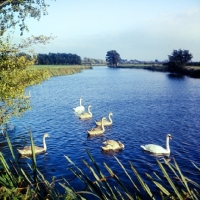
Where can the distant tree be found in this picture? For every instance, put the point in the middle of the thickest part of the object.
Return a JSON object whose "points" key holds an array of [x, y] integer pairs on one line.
{"points": [[178, 60], [113, 58], [58, 59]]}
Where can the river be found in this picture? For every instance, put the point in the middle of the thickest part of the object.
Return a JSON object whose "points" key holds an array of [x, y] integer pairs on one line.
{"points": [[146, 106]]}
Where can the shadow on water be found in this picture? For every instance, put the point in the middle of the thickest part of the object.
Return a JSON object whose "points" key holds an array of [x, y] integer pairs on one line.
{"points": [[175, 76]]}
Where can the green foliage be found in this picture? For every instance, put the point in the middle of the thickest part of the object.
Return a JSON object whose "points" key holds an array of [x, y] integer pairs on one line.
{"points": [[94, 61], [14, 77], [172, 185], [14, 12], [113, 58], [178, 60], [58, 59]]}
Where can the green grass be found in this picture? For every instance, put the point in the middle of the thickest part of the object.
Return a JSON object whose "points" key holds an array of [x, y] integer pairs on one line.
{"points": [[57, 66], [59, 70]]}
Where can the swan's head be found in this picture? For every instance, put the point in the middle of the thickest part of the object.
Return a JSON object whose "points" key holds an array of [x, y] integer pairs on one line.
{"points": [[169, 136], [46, 135], [111, 113], [103, 118], [121, 145], [89, 106]]}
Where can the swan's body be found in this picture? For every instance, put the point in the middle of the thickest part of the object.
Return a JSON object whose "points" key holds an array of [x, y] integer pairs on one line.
{"points": [[27, 149], [112, 145], [98, 129], [86, 115], [156, 149], [106, 122], [79, 109], [28, 96]]}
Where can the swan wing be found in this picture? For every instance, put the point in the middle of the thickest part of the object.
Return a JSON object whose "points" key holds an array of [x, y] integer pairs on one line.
{"points": [[79, 109], [153, 148]]}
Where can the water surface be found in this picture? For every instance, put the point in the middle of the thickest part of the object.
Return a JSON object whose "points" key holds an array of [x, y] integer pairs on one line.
{"points": [[146, 107]]}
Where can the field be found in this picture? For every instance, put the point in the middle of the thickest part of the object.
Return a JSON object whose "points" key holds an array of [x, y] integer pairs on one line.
{"points": [[58, 70]]}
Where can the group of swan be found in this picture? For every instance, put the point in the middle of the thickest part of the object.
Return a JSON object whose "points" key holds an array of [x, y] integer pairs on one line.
{"points": [[99, 128], [28, 151]]}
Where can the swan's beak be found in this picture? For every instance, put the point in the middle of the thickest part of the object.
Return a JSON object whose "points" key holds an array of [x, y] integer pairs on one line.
{"points": [[170, 137]]}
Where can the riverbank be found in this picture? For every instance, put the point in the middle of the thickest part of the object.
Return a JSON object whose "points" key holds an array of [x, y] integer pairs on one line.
{"points": [[59, 70], [191, 71]]}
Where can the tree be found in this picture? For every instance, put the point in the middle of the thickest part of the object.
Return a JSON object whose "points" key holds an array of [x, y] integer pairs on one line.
{"points": [[13, 12], [178, 60], [15, 76], [113, 58]]}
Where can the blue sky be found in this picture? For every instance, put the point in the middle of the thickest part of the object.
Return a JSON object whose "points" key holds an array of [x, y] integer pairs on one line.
{"points": [[142, 30]]}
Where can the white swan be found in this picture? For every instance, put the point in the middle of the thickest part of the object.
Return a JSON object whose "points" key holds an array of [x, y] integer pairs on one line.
{"points": [[87, 115], [98, 129], [112, 145], [27, 149], [106, 122], [79, 109], [28, 96], [156, 149]]}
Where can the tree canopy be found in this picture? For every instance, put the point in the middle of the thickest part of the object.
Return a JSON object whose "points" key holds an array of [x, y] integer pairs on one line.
{"points": [[15, 76], [13, 12], [113, 58], [178, 60], [58, 59]]}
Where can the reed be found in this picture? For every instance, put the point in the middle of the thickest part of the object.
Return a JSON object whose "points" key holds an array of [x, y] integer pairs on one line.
{"points": [[59, 70], [170, 183]]}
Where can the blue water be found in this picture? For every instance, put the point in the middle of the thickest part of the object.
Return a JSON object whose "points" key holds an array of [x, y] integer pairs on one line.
{"points": [[146, 107]]}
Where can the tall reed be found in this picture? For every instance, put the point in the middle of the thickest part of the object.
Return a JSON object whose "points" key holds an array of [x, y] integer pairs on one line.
{"points": [[170, 183]]}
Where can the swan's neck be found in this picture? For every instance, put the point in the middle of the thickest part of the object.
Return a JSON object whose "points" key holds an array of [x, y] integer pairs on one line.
{"points": [[109, 117], [80, 102], [44, 144], [102, 125], [167, 144], [89, 110]]}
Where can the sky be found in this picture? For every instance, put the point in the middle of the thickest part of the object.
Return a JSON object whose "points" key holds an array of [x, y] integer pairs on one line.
{"points": [[143, 30]]}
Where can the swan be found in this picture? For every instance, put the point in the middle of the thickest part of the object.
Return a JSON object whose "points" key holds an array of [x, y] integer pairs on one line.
{"points": [[86, 115], [28, 96], [156, 149], [112, 145], [106, 122], [79, 109], [98, 129], [27, 149]]}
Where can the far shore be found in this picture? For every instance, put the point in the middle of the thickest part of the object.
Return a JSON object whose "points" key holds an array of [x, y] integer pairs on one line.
{"points": [[59, 70], [191, 71]]}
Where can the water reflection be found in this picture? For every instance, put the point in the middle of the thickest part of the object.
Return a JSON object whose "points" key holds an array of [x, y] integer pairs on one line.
{"points": [[175, 76]]}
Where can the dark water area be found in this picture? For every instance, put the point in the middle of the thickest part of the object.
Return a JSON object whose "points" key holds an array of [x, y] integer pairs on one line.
{"points": [[146, 106]]}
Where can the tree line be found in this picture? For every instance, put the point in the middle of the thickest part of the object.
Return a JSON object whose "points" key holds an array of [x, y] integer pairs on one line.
{"points": [[176, 63], [58, 59]]}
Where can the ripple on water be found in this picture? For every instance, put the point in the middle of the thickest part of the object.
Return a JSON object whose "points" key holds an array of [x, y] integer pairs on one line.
{"points": [[146, 107]]}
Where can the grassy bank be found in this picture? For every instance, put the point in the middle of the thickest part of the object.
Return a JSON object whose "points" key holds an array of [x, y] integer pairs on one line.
{"points": [[154, 67], [58, 70], [192, 71]]}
